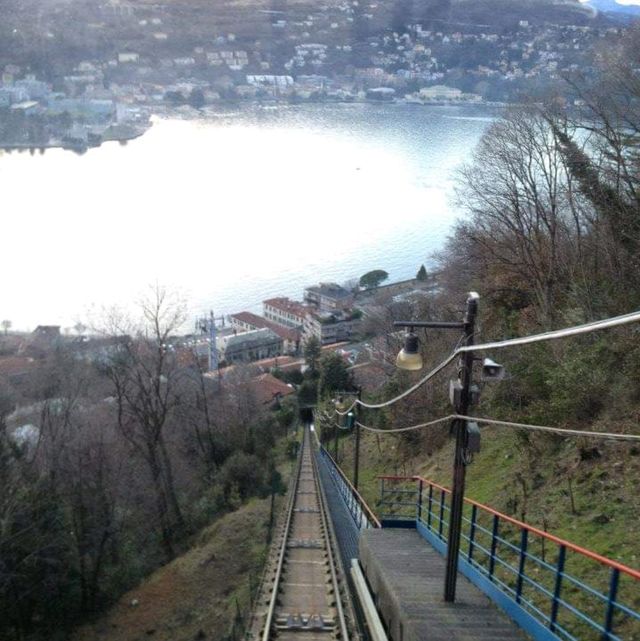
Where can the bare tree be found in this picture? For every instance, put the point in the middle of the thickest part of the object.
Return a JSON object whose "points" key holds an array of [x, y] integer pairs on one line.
{"points": [[80, 328], [515, 191], [602, 158], [145, 375]]}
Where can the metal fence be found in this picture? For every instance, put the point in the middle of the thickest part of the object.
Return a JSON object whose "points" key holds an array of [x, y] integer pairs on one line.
{"points": [[346, 532], [573, 593], [360, 512]]}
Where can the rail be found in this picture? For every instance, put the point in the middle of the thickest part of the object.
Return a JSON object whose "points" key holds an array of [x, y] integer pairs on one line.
{"points": [[304, 599], [361, 513], [328, 532], [283, 549], [574, 593]]}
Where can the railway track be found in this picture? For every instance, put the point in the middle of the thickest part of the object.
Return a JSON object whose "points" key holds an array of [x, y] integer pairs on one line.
{"points": [[301, 594]]}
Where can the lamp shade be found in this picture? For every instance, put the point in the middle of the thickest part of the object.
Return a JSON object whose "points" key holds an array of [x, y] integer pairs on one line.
{"points": [[340, 404], [409, 357]]}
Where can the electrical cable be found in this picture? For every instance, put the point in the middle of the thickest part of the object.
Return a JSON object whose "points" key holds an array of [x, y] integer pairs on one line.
{"points": [[616, 321], [524, 426], [413, 388], [437, 421], [555, 430], [348, 410]]}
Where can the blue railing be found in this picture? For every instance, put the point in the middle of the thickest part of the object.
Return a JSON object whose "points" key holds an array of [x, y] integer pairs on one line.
{"points": [[566, 591], [362, 515]]}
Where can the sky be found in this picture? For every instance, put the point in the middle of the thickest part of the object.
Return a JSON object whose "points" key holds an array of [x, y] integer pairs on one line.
{"points": [[624, 2]]}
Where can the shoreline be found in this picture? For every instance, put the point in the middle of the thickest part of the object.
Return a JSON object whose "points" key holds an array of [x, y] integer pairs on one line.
{"points": [[165, 110], [78, 148]]}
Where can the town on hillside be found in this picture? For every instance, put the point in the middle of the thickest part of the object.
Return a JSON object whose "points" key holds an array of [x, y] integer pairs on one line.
{"points": [[82, 87], [341, 320]]}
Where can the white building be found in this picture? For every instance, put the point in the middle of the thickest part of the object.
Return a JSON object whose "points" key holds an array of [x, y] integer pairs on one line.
{"points": [[127, 57], [285, 312]]}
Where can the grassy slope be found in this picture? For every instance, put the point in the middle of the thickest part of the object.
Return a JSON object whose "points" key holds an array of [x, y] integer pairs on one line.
{"points": [[195, 595], [198, 594], [605, 493], [605, 489]]}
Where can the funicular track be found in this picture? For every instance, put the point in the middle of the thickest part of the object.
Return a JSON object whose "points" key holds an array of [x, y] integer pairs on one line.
{"points": [[301, 587]]}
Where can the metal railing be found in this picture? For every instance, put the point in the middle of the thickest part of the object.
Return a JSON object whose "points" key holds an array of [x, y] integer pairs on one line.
{"points": [[574, 593], [360, 512]]}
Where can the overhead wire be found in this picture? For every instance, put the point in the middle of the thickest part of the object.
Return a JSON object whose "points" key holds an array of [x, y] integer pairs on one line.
{"points": [[437, 421], [617, 436], [413, 388], [525, 426], [585, 328], [345, 412]]}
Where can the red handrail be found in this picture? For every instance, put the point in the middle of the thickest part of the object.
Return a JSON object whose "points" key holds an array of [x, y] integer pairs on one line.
{"points": [[521, 524]]}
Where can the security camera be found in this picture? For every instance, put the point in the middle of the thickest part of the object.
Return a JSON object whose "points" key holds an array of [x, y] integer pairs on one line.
{"points": [[492, 371], [473, 437]]}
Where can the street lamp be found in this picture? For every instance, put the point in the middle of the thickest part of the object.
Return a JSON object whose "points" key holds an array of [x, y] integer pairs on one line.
{"points": [[408, 358]]}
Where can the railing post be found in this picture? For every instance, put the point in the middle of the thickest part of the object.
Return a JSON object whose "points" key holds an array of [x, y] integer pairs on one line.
{"points": [[524, 537], [430, 511], [420, 484], [611, 604], [555, 602], [441, 524], [472, 531], [494, 545]]}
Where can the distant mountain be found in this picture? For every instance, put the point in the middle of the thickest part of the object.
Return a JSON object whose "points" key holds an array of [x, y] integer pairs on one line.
{"points": [[612, 7]]}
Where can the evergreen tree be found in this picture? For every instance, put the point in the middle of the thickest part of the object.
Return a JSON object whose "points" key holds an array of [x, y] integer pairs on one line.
{"points": [[333, 374], [373, 278], [312, 352]]}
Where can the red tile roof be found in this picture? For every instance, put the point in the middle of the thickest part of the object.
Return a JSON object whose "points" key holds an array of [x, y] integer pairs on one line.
{"points": [[16, 365], [285, 333], [285, 304], [267, 387]]}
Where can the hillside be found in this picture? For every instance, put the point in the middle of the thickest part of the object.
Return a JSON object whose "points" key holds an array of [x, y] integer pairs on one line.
{"points": [[199, 594], [533, 484]]}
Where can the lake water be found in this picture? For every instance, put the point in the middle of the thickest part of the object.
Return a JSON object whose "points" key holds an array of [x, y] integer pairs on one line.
{"points": [[230, 209]]}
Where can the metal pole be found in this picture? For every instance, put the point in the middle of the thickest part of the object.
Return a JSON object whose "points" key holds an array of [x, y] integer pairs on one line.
{"points": [[335, 444], [459, 469], [356, 462]]}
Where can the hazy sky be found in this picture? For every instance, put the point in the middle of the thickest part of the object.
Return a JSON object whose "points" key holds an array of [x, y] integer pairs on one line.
{"points": [[627, 2]]}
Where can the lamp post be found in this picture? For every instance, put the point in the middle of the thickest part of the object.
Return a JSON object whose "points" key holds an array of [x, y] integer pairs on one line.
{"points": [[356, 454], [410, 358], [339, 403]]}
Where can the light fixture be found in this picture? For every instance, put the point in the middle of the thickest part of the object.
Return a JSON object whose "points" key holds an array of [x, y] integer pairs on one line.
{"points": [[409, 357], [492, 371], [340, 404]]}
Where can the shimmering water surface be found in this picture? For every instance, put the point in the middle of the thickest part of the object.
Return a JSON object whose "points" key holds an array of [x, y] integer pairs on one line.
{"points": [[232, 208]]}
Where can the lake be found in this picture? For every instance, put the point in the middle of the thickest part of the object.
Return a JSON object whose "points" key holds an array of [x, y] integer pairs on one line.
{"points": [[232, 208]]}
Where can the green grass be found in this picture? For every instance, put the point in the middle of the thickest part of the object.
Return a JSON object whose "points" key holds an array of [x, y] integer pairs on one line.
{"points": [[530, 482]]}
